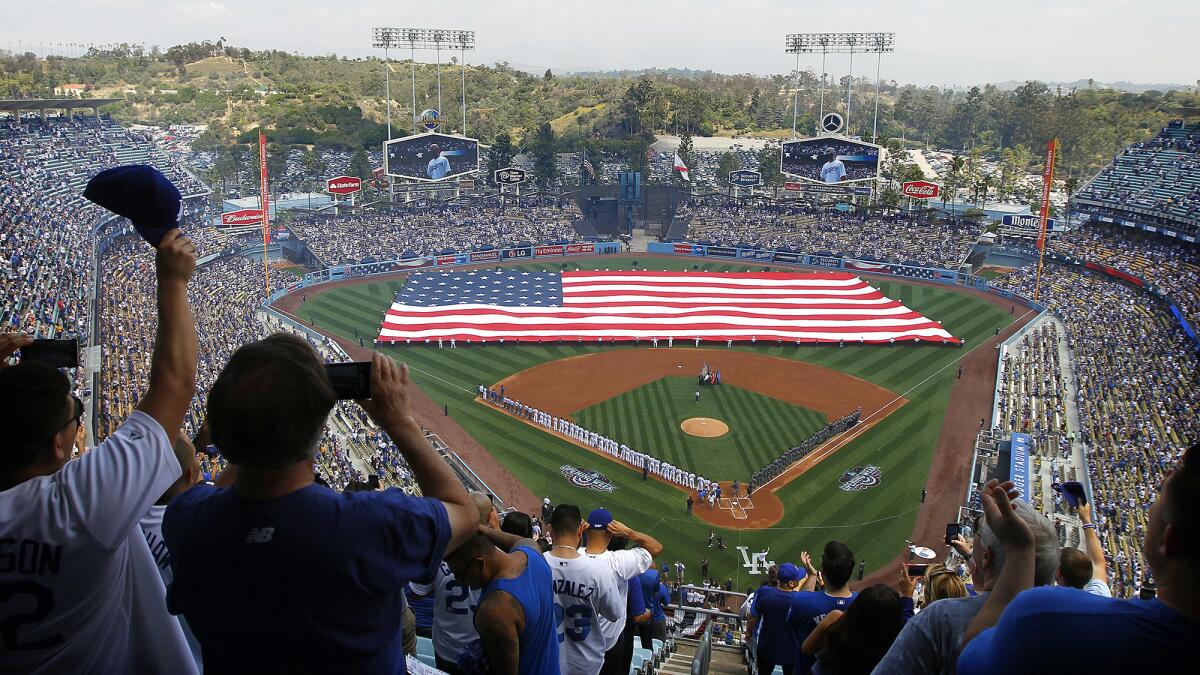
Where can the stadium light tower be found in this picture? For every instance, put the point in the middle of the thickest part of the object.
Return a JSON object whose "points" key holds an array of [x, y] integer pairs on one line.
{"points": [[840, 43], [435, 39]]}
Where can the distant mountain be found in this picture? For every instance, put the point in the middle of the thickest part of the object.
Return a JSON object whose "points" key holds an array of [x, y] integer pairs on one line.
{"points": [[1129, 87]]}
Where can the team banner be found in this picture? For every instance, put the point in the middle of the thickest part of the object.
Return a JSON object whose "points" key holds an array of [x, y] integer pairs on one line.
{"points": [[1018, 466], [491, 305], [262, 171], [1047, 186]]}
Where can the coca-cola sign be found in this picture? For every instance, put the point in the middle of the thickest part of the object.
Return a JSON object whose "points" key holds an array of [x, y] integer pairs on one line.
{"points": [[242, 217], [920, 189], [343, 185]]}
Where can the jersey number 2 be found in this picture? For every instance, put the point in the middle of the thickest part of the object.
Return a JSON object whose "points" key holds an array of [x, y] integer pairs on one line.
{"points": [[44, 600]]}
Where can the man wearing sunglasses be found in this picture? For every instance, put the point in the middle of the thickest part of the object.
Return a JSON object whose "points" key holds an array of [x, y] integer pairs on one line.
{"points": [[79, 589]]}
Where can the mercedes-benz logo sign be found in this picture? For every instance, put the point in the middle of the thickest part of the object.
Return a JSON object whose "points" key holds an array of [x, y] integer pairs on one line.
{"points": [[831, 123]]}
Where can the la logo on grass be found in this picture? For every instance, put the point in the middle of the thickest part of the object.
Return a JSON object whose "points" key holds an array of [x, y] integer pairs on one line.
{"points": [[756, 563]]}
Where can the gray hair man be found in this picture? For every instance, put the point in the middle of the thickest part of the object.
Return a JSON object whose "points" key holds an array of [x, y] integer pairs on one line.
{"points": [[930, 641]]}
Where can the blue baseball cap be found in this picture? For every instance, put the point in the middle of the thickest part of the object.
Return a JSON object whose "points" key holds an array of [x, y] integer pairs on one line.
{"points": [[599, 519], [789, 572], [142, 194]]}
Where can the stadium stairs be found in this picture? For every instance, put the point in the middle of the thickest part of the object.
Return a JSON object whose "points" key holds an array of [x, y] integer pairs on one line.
{"points": [[725, 660]]}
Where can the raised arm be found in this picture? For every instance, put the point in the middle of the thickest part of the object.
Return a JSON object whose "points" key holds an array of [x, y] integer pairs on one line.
{"points": [[499, 620], [1017, 573], [810, 581], [173, 364], [505, 541], [1095, 550], [388, 406], [619, 529]]}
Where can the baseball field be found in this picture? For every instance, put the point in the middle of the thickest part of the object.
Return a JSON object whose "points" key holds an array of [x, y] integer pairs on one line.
{"points": [[766, 406]]}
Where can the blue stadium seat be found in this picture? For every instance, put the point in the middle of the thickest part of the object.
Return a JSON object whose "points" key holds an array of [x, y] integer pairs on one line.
{"points": [[424, 647], [427, 659]]}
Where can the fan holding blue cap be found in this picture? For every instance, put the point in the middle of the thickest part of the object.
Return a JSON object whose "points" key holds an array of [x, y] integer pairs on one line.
{"points": [[140, 193]]}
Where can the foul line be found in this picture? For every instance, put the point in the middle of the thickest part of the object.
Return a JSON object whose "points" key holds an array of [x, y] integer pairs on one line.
{"points": [[820, 457], [799, 527]]}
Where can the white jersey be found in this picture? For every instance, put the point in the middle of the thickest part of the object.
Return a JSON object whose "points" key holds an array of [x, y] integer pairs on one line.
{"points": [[625, 565], [585, 589], [151, 525], [454, 605], [81, 592]]}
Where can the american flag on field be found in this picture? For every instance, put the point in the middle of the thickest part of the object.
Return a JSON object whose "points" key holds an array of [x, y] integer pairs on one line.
{"points": [[521, 306]]}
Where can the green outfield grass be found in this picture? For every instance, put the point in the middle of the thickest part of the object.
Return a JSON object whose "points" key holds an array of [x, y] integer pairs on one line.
{"points": [[873, 522], [760, 427]]}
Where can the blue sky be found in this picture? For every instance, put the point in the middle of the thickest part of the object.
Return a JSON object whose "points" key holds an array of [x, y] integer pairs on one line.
{"points": [[943, 42]]}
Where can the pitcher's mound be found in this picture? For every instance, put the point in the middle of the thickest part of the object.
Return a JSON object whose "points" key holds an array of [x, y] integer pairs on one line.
{"points": [[705, 427]]}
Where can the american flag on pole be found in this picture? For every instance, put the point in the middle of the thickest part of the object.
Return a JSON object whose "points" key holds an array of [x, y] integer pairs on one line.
{"points": [[521, 306], [587, 165]]}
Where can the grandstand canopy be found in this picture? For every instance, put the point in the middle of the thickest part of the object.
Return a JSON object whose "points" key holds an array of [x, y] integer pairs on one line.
{"points": [[43, 104]]}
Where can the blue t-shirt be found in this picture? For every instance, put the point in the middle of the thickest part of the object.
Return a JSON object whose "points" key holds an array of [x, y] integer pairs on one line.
{"points": [[422, 607], [309, 582], [1054, 629], [807, 610], [650, 586], [636, 601], [776, 637], [534, 589]]}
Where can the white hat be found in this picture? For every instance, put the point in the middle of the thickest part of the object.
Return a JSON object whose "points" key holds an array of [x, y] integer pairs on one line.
{"points": [[546, 500]]}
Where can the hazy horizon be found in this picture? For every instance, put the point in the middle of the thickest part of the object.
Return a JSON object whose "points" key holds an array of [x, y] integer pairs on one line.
{"points": [[937, 43]]}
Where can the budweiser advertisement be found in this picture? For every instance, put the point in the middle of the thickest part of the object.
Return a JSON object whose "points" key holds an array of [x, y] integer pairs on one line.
{"points": [[920, 189], [343, 185], [242, 217]]}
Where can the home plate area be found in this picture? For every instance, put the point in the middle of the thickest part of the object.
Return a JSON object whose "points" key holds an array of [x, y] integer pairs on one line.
{"points": [[738, 506]]}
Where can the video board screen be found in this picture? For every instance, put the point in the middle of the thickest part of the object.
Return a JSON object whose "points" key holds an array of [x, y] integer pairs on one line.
{"points": [[830, 160], [431, 157]]}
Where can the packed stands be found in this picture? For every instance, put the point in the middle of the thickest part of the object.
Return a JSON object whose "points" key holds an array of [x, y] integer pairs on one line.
{"points": [[434, 229], [802, 229], [1137, 399], [1155, 181], [1169, 264]]}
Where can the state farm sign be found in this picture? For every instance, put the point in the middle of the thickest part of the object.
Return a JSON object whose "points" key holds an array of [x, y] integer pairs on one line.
{"points": [[343, 185], [242, 217], [919, 189]]}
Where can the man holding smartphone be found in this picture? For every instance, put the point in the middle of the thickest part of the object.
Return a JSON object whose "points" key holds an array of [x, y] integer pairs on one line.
{"points": [[315, 579]]}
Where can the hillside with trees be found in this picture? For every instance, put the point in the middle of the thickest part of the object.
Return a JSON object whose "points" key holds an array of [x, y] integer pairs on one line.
{"points": [[338, 102]]}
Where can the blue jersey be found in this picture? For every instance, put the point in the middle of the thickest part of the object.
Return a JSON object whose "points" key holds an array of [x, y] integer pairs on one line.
{"points": [[807, 610], [777, 641], [650, 593], [315, 575], [534, 589], [1108, 635]]}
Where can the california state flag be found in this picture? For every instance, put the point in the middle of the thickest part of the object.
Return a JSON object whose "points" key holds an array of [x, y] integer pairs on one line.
{"points": [[681, 167]]}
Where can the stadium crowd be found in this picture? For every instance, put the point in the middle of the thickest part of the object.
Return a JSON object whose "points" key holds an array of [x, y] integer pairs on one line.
{"points": [[1159, 177], [1136, 396], [914, 242], [1170, 265], [434, 229]]}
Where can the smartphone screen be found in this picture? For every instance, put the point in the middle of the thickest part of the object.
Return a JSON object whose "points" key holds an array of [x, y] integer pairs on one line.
{"points": [[917, 569], [53, 353], [350, 380], [952, 531]]}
